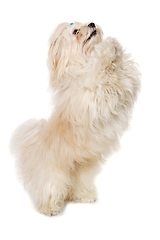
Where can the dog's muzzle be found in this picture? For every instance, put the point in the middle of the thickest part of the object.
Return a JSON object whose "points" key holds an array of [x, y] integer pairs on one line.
{"points": [[92, 25]]}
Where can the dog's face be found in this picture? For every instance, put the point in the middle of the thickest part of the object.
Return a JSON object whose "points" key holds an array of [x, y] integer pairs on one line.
{"points": [[71, 43], [86, 36]]}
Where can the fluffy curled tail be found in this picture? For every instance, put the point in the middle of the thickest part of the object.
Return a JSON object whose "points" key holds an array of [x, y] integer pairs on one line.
{"points": [[26, 144], [26, 135]]}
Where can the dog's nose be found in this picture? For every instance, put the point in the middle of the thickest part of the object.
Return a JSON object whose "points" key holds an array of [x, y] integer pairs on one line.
{"points": [[92, 25]]}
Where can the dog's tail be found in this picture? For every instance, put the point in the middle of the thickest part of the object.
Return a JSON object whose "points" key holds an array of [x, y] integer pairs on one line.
{"points": [[26, 135], [26, 143]]}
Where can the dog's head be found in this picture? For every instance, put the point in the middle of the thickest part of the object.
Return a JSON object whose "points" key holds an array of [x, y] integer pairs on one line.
{"points": [[70, 44]]}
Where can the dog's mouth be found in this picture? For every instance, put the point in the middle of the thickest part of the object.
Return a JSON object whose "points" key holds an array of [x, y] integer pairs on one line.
{"points": [[94, 33]]}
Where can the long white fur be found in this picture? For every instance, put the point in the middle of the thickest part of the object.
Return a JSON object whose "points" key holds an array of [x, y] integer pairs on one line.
{"points": [[95, 84]]}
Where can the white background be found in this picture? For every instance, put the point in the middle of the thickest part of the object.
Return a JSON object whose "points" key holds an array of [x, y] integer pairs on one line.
{"points": [[129, 185]]}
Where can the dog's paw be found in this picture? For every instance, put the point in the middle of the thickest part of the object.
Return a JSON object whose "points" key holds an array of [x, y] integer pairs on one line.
{"points": [[85, 197], [49, 212], [52, 210], [85, 200], [109, 52]]}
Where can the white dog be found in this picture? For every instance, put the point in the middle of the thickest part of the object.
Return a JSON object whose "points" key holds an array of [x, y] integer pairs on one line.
{"points": [[95, 84]]}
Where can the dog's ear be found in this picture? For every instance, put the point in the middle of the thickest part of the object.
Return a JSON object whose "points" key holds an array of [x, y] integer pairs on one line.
{"points": [[58, 55]]}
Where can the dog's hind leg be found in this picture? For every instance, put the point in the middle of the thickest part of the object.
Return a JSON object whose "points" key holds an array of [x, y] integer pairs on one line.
{"points": [[84, 189], [50, 197]]}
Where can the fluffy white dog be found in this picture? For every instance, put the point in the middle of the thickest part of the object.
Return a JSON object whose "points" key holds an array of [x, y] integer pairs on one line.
{"points": [[95, 86]]}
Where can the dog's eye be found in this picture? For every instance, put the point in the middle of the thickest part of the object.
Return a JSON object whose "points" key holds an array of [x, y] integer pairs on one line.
{"points": [[75, 31]]}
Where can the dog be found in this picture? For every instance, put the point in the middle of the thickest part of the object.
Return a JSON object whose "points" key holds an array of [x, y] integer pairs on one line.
{"points": [[95, 84]]}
